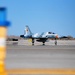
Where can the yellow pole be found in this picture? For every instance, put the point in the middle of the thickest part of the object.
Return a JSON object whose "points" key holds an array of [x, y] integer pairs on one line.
{"points": [[3, 30], [2, 49]]}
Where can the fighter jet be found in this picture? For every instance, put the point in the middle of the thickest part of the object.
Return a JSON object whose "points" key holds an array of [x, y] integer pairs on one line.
{"points": [[39, 37]]}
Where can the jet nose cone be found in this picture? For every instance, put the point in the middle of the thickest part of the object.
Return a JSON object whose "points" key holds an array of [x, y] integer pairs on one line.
{"points": [[57, 36]]}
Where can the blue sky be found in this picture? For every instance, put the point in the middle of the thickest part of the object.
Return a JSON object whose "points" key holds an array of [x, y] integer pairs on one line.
{"points": [[41, 16]]}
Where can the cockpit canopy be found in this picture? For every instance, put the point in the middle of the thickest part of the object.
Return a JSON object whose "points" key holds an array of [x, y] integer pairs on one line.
{"points": [[51, 33]]}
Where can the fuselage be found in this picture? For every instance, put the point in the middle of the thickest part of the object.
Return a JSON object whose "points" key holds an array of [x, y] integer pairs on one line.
{"points": [[43, 35]]}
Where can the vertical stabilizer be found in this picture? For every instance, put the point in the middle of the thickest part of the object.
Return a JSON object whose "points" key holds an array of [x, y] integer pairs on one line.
{"points": [[27, 31]]}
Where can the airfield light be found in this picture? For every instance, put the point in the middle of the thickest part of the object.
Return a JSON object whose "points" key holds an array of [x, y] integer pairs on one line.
{"points": [[3, 32]]}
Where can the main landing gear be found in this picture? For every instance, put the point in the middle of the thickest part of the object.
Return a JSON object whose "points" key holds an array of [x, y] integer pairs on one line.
{"points": [[32, 41], [43, 43]]}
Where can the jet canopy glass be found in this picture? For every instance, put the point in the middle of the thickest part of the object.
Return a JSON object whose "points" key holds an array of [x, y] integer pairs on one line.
{"points": [[51, 33]]}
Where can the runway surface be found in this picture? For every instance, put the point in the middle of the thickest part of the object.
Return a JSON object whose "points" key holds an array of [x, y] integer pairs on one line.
{"points": [[40, 57]]}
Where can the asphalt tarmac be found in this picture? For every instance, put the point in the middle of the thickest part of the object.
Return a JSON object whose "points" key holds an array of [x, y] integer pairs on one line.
{"points": [[40, 57]]}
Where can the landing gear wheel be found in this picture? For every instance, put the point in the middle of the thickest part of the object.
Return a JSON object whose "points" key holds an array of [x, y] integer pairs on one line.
{"points": [[55, 41], [32, 41], [43, 43], [32, 44]]}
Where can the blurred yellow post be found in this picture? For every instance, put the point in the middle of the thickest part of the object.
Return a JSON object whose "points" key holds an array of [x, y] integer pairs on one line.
{"points": [[30, 40], [3, 34]]}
